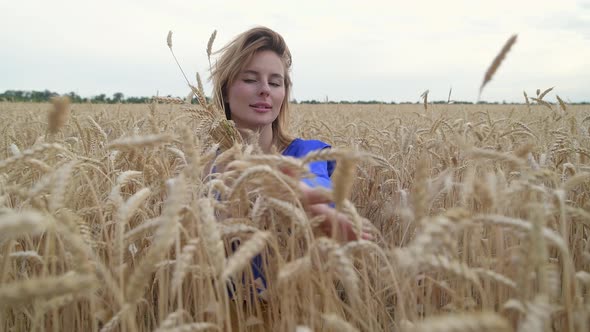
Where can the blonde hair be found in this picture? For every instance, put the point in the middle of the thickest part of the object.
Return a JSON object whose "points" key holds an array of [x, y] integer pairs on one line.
{"points": [[233, 59]]}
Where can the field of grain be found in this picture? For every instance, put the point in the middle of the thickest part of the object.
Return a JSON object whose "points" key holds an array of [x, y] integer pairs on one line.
{"points": [[480, 216]]}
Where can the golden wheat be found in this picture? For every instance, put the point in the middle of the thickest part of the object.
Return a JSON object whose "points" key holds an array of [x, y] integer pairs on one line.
{"points": [[94, 234]]}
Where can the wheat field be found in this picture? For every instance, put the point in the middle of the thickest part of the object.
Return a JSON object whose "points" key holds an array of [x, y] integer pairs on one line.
{"points": [[111, 221]]}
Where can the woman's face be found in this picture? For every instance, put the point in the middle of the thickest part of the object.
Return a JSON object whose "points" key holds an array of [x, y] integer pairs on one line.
{"points": [[256, 96]]}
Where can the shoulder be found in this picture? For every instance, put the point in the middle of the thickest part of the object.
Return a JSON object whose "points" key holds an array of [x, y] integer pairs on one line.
{"points": [[300, 147]]}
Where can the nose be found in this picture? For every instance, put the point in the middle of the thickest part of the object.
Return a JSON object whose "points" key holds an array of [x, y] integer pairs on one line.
{"points": [[264, 89]]}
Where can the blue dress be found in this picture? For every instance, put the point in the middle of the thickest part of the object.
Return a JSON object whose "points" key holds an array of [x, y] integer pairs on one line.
{"points": [[322, 170]]}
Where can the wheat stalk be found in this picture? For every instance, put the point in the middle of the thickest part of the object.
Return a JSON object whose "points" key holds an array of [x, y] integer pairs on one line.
{"points": [[526, 99], [169, 44]]}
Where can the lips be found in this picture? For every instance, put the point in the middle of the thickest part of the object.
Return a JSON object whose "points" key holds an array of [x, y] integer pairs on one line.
{"points": [[261, 107]]}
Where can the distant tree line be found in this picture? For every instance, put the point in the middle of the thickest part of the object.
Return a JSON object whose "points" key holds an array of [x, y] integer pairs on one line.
{"points": [[118, 97], [45, 96], [436, 102], [372, 102]]}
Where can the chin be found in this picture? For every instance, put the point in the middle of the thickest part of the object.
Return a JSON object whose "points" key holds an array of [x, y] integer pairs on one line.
{"points": [[260, 123], [255, 122]]}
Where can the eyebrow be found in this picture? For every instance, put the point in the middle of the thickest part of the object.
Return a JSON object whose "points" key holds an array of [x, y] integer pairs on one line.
{"points": [[257, 73]]}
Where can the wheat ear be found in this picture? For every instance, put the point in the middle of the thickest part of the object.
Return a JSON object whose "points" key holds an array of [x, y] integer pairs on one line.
{"points": [[209, 232], [245, 253], [184, 261], [337, 323], [561, 103], [424, 96], [544, 93], [210, 47], [528, 103], [497, 62], [163, 239], [192, 327], [13, 224], [47, 288], [136, 142], [59, 114], [480, 322], [538, 315]]}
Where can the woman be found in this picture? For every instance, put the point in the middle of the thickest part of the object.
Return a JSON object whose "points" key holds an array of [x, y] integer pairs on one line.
{"points": [[251, 82]]}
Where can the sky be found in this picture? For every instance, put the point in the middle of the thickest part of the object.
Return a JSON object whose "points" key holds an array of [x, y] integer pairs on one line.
{"points": [[342, 50]]}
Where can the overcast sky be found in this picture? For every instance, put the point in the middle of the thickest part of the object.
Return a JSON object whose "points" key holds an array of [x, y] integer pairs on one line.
{"points": [[345, 50]]}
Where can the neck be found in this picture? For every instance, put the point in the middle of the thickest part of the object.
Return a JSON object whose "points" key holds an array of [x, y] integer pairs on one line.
{"points": [[265, 138]]}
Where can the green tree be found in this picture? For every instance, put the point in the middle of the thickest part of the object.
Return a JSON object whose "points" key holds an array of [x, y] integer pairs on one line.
{"points": [[101, 98], [118, 97]]}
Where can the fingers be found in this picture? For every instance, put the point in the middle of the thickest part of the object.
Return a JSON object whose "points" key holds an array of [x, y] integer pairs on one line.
{"points": [[315, 195], [287, 171], [367, 236], [310, 195], [337, 224]]}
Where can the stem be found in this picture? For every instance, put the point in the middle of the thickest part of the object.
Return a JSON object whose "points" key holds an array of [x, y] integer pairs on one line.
{"points": [[182, 71]]}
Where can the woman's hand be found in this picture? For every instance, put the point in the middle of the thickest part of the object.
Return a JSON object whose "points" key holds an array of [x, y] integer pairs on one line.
{"points": [[335, 224]]}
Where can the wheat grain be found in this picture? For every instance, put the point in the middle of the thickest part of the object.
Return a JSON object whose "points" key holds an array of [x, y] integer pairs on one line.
{"points": [[191, 327], [62, 175], [164, 238], [484, 321], [14, 150], [336, 322], [245, 253], [519, 227], [497, 62], [537, 315], [59, 114], [540, 97], [140, 141], [186, 257], [13, 224], [169, 39], [294, 269], [208, 229], [343, 178], [561, 103], [23, 292], [30, 153]]}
